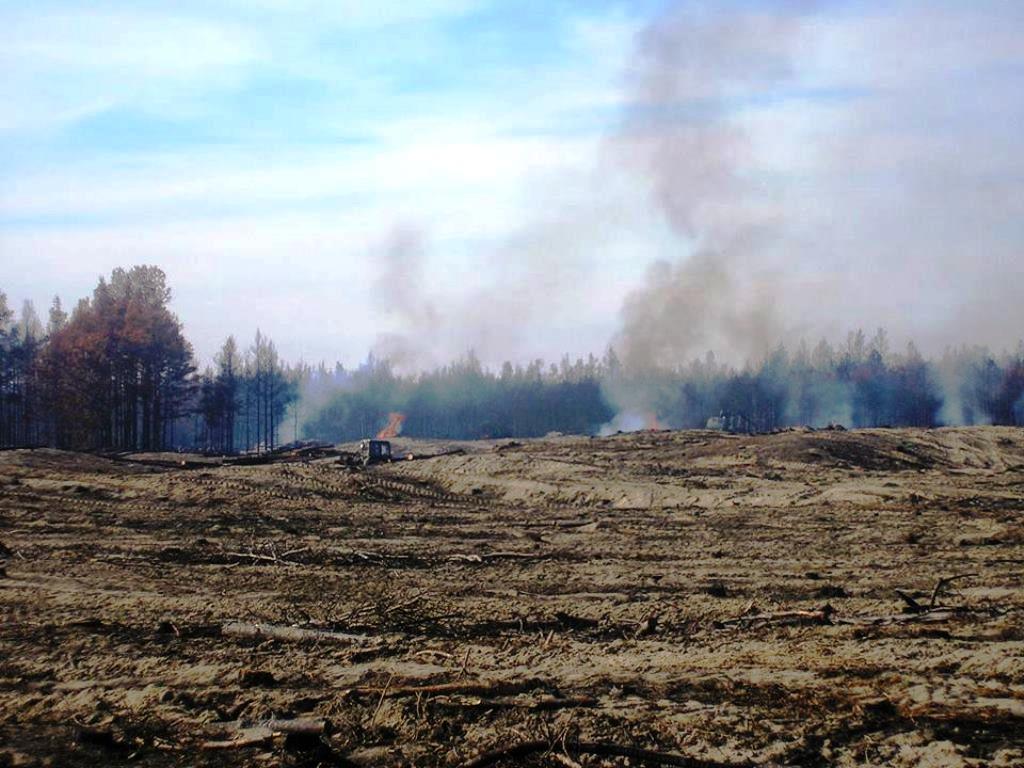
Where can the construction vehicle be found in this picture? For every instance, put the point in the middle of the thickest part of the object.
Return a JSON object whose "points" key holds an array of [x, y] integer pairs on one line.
{"points": [[375, 452], [370, 452], [732, 422]]}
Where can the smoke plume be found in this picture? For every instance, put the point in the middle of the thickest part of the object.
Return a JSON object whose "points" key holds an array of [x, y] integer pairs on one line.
{"points": [[814, 177], [398, 292], [690, 70]]}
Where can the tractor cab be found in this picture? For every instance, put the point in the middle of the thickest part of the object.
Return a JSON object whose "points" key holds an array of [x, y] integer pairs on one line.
{"points": [[375, 451]]}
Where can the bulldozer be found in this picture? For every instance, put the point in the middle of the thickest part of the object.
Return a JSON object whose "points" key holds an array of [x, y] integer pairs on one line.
{"points": [[370, 452], [375, 452]]}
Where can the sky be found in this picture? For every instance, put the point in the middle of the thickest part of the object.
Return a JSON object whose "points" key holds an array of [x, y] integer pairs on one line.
{"points": [[421, 177]]}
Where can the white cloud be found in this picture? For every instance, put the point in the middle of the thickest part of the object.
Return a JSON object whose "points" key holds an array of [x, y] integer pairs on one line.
{"points": [[417, 164], [60, 66]]}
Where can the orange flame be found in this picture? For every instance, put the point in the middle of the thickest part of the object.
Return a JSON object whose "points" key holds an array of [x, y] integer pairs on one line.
{"points": [[393, 428], [651, 423]]}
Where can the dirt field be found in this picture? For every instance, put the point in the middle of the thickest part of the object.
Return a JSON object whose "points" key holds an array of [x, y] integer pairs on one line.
{"points": [[716, 599]]}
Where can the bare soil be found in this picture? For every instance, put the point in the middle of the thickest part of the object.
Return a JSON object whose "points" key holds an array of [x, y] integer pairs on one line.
{"points": [[721, 600]]}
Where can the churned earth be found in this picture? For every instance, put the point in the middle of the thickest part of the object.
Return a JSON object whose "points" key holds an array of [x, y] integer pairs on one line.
{"points": [[804, 598]]}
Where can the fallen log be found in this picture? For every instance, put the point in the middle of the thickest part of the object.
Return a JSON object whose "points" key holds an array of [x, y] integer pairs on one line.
{"points": [[290, 634], [478, 688], [274, 725], [240, 743], [486, 556], [257, 734], [535, 704], [822, 616]]}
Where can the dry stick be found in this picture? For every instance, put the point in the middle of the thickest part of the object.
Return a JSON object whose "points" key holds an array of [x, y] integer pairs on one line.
{"points": [[945, 582], [912, 604], [469, 689], [261, 733], [542, 703], [380, 701], [262, 558], [821, 616], [296, 725], [249, 741], [600, 749]]}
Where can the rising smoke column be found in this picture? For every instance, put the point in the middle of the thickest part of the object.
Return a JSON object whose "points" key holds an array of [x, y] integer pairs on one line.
{"points": [[399, 295], [693, 67], [893, 198]]}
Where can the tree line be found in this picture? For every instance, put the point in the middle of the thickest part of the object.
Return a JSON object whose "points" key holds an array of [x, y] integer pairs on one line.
{"points": [[462, 400], [243, 402], [859, 383], [118, 374]]}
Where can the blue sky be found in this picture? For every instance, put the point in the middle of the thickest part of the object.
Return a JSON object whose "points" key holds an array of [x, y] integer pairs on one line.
{"points": [[263, 151]]}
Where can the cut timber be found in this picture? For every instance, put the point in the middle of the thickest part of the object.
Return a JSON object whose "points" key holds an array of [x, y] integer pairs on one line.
{"points": [[785, 618], [244, 740], [298, 725], [537, 704], [290, 634], [495, 688], [484, 557], [257, 734]]}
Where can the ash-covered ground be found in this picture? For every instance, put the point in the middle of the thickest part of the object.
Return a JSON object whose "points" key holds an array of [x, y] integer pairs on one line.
{"points": [[804, 598]]}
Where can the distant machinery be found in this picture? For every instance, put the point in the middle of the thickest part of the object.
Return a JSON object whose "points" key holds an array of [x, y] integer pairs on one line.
{"points": [[375, 451], [726, 421]]}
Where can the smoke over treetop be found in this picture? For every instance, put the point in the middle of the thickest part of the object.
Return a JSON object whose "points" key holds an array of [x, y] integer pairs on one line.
{"points": [[689, 307], [691, 69], [873, 145], [399, 293], [790, 160]]}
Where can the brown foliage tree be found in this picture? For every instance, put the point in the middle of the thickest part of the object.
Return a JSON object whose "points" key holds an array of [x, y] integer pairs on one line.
{"points": [[118, 372]]}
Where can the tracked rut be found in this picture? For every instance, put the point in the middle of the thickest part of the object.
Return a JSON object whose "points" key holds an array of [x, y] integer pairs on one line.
{"points": [[735, 600]]}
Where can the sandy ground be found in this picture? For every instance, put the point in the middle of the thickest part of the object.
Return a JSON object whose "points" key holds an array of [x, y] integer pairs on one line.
{"points": [[725, 599]]}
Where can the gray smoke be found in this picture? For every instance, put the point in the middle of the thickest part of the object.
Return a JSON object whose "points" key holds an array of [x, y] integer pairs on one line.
{"points": [[896, 214], [691, 68], [538, 276], [398, 293], [819, 172]]}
